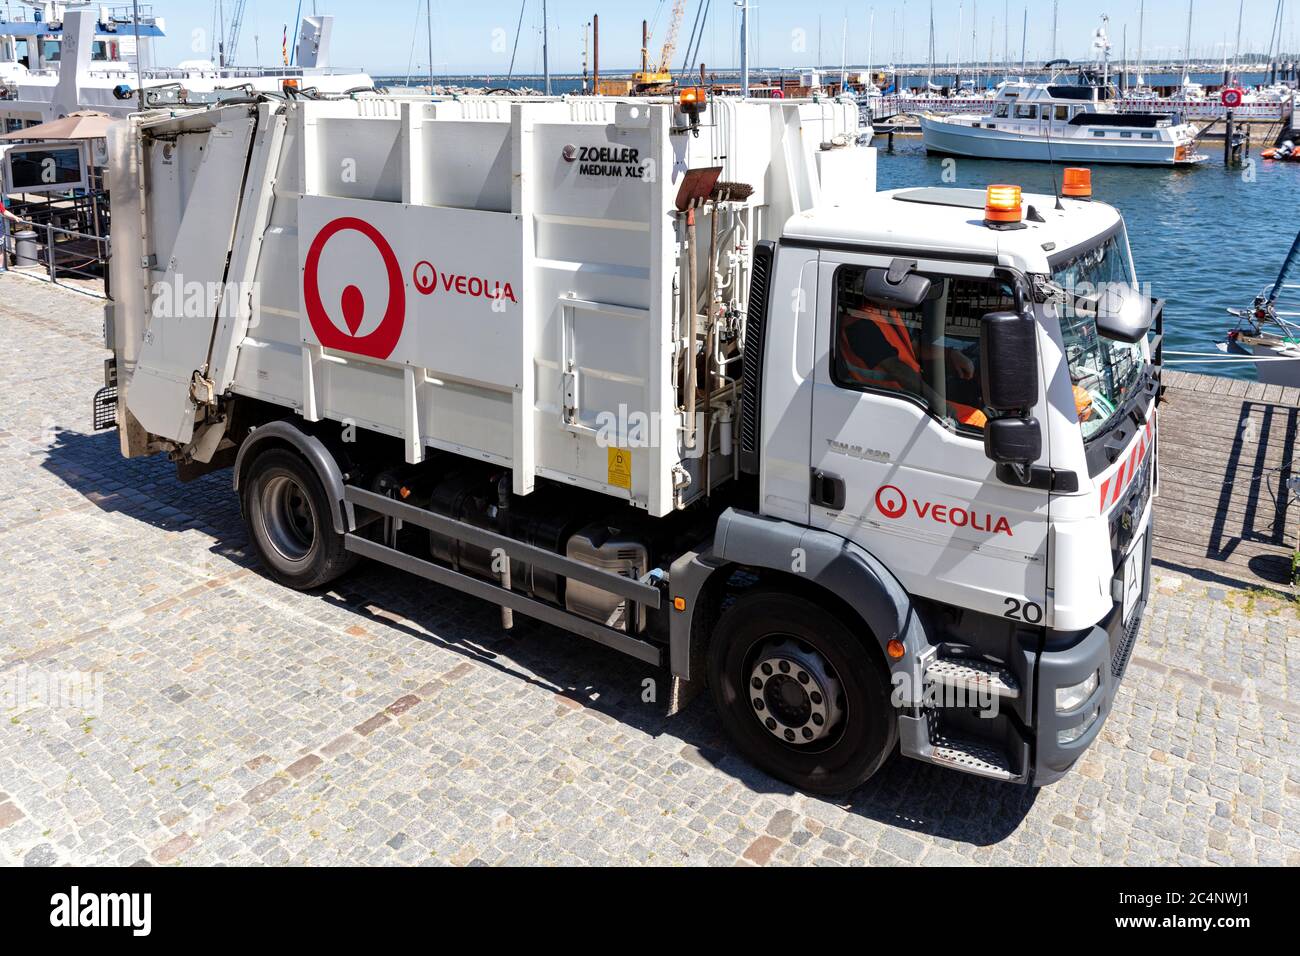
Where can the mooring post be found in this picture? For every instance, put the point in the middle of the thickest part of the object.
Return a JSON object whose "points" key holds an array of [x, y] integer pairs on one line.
{"points": [[1227, 141]]}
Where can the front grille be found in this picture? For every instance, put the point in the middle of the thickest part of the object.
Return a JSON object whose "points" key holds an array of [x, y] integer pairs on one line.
{"points": [[1125, 519]]}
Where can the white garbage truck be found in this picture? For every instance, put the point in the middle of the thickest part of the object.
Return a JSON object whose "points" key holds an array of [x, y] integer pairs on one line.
{"points": [[874, 468]]}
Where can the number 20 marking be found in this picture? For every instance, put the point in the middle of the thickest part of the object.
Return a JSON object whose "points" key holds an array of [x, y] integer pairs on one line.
{"points": [[1026, 611]]}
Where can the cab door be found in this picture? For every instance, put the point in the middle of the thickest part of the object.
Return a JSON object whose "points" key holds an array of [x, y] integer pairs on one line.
{"points": [[897, 460]]}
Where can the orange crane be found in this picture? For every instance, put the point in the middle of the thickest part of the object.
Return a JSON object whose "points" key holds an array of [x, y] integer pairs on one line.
{"points": [[659, 77]]}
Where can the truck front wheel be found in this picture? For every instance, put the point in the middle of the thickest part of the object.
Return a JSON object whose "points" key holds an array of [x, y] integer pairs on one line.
{"points": [[288, 517], [800, 695]]}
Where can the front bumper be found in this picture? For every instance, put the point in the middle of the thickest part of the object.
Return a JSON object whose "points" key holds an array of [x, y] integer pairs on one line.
{"points": [[1067, 660]]}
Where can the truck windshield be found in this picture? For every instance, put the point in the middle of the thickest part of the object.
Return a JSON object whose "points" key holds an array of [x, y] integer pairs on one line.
{"points": [[1104, 372]]}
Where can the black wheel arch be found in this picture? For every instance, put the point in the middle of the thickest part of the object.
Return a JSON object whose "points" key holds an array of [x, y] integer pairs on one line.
{"points": [[838, 575], [310, 446]]}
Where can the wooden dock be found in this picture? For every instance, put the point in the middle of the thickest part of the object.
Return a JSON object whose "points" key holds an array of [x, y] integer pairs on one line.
{"points": [[1225, 459]]}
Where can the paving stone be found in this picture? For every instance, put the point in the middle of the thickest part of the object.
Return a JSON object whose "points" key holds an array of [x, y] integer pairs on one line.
{"points": [[390, 721], [41, 855]]}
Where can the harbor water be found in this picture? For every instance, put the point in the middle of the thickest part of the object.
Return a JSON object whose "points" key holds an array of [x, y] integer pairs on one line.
{"points": [[1204, 238]]}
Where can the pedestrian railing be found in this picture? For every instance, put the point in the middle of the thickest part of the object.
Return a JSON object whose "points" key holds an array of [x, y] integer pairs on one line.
{"points": [[51, 252]]}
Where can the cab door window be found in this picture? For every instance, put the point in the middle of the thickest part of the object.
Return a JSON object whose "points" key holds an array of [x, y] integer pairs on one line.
{"points": [[929, 356]]}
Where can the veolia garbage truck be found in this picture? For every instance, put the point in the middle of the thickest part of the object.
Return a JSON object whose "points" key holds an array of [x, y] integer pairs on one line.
{"points": [[874, 468]]}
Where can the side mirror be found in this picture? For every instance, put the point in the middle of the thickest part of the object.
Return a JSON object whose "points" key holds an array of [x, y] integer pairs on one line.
{"points": [[1123, 313], [1013, 441], [1009, 362], [897, 286]]}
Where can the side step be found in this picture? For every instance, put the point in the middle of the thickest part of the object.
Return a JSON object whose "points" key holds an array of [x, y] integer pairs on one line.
{"points": [[973, 675], [973, 758]]}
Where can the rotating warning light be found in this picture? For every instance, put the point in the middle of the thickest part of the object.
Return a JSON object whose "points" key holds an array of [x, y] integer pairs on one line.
{"points": [[1077, 184], [1003, 205]]}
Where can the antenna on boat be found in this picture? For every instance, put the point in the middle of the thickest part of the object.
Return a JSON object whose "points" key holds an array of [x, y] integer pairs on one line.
{"points": [[1051, 160]]}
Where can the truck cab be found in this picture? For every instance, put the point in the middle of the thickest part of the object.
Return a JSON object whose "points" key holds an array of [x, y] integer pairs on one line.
{"points": [[957, 389]]}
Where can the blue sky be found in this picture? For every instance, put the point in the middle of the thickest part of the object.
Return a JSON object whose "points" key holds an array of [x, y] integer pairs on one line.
{"points": [[384, 36]]}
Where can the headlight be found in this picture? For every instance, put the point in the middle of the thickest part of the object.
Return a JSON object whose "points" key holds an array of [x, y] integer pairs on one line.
{"points": [[1074, 733], [1068, 698]]}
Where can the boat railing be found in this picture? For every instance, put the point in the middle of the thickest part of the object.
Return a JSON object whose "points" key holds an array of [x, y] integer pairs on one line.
{"points": [[1201, 109], [1188, 109]]}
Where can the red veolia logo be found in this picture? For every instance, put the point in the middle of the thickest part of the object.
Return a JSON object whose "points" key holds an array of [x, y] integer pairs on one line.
{"points": [[891, 502], [383, 340], [425, 278]]}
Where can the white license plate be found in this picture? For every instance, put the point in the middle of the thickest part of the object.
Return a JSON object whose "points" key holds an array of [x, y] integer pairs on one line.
{"points": [[1134, 577]]}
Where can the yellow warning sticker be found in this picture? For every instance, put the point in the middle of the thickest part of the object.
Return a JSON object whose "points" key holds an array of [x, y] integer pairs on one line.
{"points": [[620, 468]]}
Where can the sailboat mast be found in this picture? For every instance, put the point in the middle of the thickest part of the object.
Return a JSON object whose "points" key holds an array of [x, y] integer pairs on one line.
{"points": [[428, 10], [844, 55], [956, 80], [1006, 40], [871, 43], [1056, 10], [1275, 42], [930, 86], [1024, 43], [1123, 69], [1236, 52], [1142, 23], [1187, 67], [546, 50], [744, 48]]}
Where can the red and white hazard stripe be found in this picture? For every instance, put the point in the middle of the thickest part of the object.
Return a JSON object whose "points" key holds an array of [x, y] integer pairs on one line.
{"points": [[1114, 487]]}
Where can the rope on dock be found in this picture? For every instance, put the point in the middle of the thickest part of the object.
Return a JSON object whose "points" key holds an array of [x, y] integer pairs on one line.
{"points": [[1218, 358]]}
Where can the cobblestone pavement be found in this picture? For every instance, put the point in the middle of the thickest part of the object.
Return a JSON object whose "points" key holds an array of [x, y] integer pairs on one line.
{"points": [[390, 721]]}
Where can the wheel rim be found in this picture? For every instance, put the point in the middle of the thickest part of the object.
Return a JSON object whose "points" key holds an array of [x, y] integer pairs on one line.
{"points": [[796, 694], [288, 518]]}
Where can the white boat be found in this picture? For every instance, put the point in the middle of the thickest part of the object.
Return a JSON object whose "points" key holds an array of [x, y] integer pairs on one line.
{"points": [[74, 56], [1269, 334], [1058, 122], [1269, 95]]}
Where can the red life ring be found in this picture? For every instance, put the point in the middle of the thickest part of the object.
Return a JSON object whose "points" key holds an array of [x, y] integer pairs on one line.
{"points": [[778, 94], [1232, 98]]}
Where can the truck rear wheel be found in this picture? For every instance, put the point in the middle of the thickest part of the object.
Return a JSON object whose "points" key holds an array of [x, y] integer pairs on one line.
{"points": [[800, 695], [288, 517]]}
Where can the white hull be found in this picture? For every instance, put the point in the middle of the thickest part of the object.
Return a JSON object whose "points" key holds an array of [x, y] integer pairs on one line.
{"points": [[963, 139], [1276, 372]]}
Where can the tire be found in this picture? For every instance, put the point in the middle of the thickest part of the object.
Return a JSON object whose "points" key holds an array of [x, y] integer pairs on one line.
{"points": [[288, 516], [858, 730]]}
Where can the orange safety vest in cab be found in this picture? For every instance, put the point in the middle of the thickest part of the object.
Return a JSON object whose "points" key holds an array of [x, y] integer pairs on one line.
{"points": [[898, 338]]}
